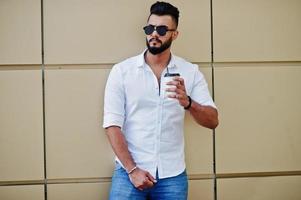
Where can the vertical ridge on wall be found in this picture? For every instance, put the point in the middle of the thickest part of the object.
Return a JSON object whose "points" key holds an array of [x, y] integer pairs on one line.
{"points": [[213, 96], [43, 98]]}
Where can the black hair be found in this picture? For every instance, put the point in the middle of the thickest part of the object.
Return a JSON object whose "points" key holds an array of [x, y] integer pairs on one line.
{"points": [[163, 8]]}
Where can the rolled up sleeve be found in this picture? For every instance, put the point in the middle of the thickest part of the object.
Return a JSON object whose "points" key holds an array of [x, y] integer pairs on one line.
{"points": [[114, 99], [200, 92]]}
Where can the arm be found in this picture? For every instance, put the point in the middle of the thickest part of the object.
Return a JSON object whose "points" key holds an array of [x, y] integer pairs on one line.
{"points": [[120, 147], [206, 116], [114, 116], [141, 179]]}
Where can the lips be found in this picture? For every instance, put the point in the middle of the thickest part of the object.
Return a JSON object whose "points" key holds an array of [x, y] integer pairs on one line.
{"points": [[155, 40]]}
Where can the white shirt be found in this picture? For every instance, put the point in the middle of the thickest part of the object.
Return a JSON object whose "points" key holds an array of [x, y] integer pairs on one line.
{"points": [[151, 123]]}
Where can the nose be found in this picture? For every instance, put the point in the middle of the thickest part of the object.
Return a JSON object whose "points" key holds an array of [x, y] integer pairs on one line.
{"points": [[155, 33]]}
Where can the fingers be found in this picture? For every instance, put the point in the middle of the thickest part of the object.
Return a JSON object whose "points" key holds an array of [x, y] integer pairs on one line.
{"points": [[179, 79], [181, 98], [175, 83], [151, 178], [148, 183], [178, 93], [145, 184], [178, 90], [142, 179], [178, 83]]}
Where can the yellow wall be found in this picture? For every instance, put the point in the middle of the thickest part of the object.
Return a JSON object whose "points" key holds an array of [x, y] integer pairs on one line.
{"points": [[257, 83]]}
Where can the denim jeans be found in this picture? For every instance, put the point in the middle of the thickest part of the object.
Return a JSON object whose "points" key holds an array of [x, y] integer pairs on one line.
{"points": [[174, 188]]}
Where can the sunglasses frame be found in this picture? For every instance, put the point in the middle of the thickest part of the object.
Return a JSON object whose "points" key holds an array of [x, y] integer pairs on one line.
{"points": [[157, 28]]}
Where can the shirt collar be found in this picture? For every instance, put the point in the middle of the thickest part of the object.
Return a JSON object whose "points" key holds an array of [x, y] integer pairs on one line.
{"points": [[141, 60]]}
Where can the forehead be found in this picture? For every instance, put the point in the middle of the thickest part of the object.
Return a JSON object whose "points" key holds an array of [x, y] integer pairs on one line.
{"points": [[161, 20]]}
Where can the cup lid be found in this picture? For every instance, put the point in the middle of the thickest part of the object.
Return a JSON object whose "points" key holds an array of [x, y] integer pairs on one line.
{"points": [[171, 74]]}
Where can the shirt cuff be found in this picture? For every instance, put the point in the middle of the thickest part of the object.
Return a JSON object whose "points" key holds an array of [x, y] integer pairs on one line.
{"points": [[209, 103], [112, 119]]}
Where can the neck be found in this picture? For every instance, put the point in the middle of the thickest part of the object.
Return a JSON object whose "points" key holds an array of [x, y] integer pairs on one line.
{"points": [[160, 59]]}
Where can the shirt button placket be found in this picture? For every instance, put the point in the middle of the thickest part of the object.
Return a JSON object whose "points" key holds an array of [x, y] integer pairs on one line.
{"points": [[158, 135], [159, 128]]}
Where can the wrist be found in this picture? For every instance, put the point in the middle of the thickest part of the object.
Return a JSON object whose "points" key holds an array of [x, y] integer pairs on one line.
{"points": [[189, 103], [130, 171]]}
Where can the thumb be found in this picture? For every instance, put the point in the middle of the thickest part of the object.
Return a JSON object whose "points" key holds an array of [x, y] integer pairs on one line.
{"points": [[151, 177]]}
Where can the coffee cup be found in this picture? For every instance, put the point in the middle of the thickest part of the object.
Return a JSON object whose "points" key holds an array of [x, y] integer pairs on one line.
{"points": [[167, 78]]}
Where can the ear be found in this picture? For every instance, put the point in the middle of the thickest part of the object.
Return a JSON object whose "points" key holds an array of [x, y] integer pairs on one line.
{"points": [[175, 34]]}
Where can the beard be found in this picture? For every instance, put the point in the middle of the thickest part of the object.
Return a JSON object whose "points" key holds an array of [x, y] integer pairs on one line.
{"points": [[157, 50]]}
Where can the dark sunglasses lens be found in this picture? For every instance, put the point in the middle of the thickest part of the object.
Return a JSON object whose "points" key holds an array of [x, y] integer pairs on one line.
{"points": [[161, 30], [149, 29]]}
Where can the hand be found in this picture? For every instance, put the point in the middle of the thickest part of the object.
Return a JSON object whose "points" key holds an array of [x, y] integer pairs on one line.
{"points": [[180, 91], [142, 179]]}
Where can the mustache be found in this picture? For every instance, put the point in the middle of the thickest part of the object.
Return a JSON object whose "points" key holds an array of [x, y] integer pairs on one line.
{"points": [[155, 39]]}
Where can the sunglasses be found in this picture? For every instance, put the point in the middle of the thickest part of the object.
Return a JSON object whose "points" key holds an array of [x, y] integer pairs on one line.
{"points": [[161, 30]]}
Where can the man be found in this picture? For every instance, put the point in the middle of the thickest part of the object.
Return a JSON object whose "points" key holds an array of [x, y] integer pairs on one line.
{"points": [[143, 125]]}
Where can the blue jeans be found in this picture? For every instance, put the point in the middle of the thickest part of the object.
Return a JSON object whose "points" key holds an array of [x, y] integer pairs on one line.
{"points": [[174, 188]]}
